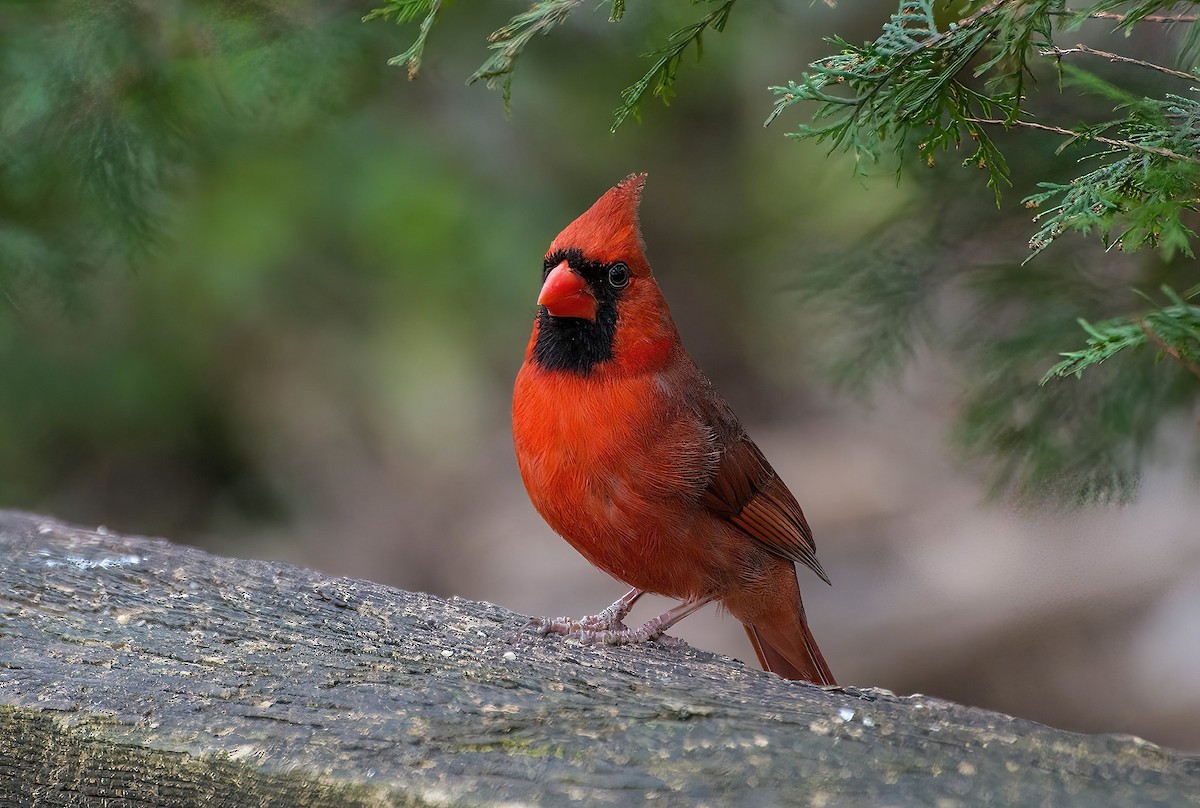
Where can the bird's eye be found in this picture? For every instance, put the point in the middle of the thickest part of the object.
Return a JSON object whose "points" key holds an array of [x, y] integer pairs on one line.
{"points": [[618, 276]]}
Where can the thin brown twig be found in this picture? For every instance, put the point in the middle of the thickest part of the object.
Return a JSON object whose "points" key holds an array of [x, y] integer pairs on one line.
{"points": [[1116, 57], [1123, 144], [1112, 15], [983, 12], [1168, 349]]}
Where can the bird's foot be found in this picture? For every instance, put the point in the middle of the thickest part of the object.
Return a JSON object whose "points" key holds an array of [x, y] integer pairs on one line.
{"points": [[606, 628], [607, 620], [568, 627], [651, 630], [622, 635]]}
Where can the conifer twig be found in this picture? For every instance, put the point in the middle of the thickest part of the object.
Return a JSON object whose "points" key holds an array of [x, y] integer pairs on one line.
{"points": [[1121, 144], [1116, 57], [660, 78], [1168, 349], [1112, 15]]}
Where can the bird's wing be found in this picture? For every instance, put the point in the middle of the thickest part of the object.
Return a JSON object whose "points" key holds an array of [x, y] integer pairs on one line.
{"points": [[748, 492]]}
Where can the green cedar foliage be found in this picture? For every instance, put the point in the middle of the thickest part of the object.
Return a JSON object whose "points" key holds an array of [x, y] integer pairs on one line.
{"points": [[543, 16]]}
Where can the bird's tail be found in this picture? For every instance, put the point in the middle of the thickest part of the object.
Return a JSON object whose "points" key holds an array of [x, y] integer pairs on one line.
{"points": [[785, 646]]}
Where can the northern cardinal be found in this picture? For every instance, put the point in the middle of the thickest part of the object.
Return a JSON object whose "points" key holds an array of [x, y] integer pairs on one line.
{"points": [[630, 454]]}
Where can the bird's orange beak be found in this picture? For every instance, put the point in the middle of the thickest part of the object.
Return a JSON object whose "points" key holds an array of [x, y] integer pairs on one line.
{"points": [[565, 294]]}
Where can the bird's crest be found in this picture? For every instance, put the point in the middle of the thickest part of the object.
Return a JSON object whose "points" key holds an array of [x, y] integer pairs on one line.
{"points": [[609, 230]]}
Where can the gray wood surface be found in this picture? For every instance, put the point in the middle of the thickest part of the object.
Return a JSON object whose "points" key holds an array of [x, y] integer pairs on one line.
{"points": [[138, 672]]}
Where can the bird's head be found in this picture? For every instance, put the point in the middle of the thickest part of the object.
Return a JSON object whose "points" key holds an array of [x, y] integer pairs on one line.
{"points": [[598, 294], [597, 257]]}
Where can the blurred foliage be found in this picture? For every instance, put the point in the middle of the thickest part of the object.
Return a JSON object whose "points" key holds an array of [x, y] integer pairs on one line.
{"points": [[1075, 442]]}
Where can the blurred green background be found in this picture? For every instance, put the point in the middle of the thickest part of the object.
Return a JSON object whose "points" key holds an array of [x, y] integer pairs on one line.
{"points": [[263, 294]]}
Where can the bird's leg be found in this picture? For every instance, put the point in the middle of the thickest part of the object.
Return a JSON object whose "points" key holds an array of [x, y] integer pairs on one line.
{"points": [[652, 630], [608, 619]]}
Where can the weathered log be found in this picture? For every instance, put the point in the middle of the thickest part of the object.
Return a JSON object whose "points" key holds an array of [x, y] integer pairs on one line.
{"points": [[138, 672]]}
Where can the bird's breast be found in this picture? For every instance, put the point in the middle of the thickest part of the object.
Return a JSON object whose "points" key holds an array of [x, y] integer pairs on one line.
{"points": [[617, 470]]}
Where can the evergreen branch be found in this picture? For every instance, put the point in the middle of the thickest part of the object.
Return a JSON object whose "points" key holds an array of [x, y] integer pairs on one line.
{"points": [[1174, 329], [1116, 57], [661, 76], [1147, 189], [1104, 342], [402, 11], [508, 43], [907, 84], [1170, 350], [909, 80], [1086, 136]]}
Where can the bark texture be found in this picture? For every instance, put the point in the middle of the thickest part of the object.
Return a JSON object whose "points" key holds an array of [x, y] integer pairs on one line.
{"points": [[138, 672]]}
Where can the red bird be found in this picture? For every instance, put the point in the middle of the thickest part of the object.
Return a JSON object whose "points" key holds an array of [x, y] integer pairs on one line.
{"points": [[631, 455]]}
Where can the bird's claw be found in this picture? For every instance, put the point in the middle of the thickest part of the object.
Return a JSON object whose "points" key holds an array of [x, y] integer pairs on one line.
{"points": [[623, 635], [608, 628], [671, 642], [567, 627]]}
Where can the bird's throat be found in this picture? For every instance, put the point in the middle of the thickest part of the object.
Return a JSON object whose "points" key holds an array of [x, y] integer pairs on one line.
{"points": [[573, 344]]}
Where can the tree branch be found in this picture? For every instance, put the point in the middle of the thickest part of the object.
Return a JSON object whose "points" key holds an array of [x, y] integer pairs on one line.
{"points": [[1112, 15], [1168, 349], [1116, 57], [1122, 144]]}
